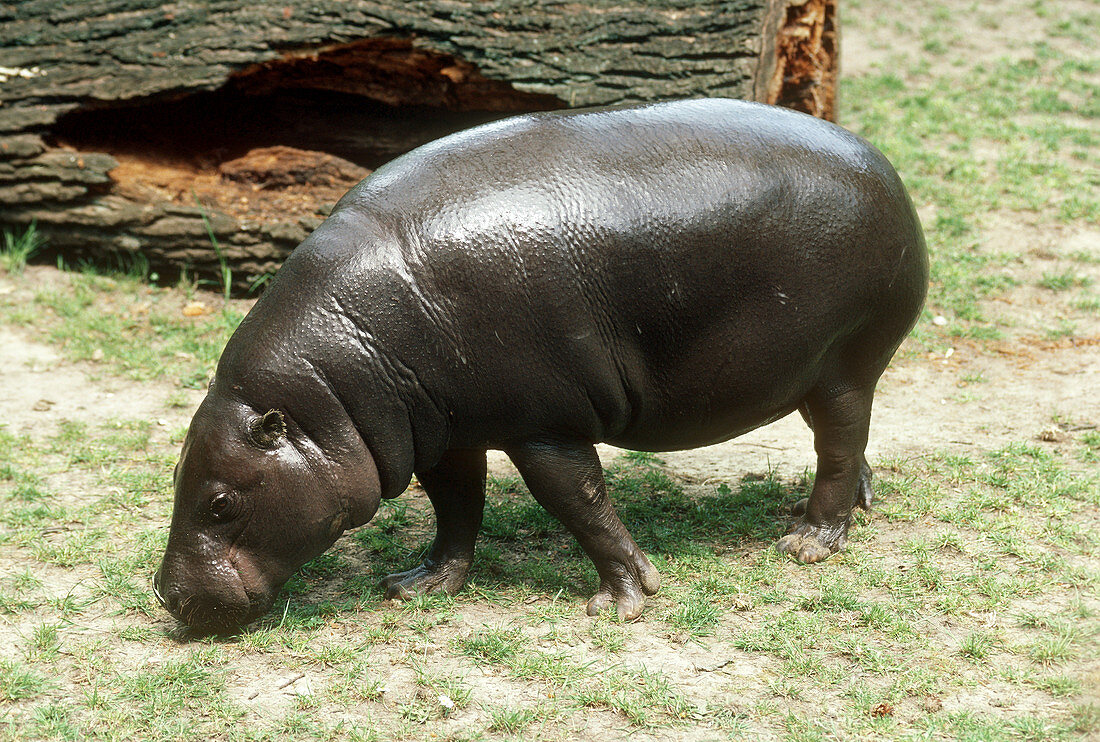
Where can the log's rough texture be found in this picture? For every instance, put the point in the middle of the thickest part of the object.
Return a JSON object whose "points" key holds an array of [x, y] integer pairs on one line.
{"points": [[123, 123]]}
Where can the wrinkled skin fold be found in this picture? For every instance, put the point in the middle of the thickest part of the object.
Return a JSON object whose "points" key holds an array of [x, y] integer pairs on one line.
{"points": [[657, 277]]}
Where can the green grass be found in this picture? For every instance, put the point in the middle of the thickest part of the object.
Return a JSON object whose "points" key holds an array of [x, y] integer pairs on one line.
{"points": [[492, 646], [140, 338], [512, 720], [18, 682], [128, 327], [1065, 280], [19, 248], [995, 137], [945, 606]]}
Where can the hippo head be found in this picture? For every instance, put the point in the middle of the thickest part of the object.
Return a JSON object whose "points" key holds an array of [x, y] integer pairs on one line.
{"points": [[256, 497]]}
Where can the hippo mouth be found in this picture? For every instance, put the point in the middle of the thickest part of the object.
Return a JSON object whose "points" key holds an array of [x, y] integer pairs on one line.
{"points": [[207, 614]]}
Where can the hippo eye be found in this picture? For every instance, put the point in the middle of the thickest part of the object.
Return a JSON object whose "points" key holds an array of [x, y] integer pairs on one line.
{"points": [[221, 506]]}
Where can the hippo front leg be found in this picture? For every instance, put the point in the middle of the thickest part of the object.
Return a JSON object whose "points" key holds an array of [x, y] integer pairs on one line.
{"points": [[456, 488], [840, 424], [566, 478]]}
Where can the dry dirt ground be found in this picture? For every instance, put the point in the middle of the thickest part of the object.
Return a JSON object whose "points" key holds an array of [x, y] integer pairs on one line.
{"points": [[957, 395]]}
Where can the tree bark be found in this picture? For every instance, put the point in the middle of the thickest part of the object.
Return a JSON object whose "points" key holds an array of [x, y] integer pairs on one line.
{"points": [[157, 129]]}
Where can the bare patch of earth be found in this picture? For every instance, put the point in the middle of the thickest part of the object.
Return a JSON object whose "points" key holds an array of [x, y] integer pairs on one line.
{"points": [[875, 35], [41, 389]]}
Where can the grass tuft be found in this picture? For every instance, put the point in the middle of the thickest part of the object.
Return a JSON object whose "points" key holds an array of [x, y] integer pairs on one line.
{"points": [[18, 249]]}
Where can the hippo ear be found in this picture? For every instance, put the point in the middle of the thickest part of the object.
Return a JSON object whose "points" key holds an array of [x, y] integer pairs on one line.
{"points": [[268, 430]]}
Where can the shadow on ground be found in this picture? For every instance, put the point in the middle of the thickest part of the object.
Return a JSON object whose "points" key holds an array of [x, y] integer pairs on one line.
{"points": [[522, 549]]}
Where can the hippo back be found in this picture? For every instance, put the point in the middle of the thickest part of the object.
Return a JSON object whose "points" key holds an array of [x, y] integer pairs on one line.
{"points": [[657, 276]]}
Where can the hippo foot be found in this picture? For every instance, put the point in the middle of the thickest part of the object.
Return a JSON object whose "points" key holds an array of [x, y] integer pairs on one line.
{"points": [[809, 543], [626, 588], [429, 577]]}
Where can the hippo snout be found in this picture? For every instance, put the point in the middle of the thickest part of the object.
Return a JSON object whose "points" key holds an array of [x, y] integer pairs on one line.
{"points": [[211, 606]]}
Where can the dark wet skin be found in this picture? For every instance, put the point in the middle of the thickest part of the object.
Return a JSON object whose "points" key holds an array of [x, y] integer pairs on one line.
{"points": [[657, 277]]}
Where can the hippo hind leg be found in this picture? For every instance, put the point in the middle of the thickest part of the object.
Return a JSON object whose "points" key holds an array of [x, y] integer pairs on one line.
{"points": [[566, 478], [865, 494], [840, 423], [456, 489]]}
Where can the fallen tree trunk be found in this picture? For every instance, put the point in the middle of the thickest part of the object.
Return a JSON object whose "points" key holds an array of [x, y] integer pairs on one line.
{"points": [[156, 130]]}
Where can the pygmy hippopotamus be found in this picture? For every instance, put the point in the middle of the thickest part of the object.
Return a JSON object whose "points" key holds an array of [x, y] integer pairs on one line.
{"points": [[658, 277]]}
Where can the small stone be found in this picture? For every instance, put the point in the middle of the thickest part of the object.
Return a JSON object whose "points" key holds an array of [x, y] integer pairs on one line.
{"points": [[1053, 434], [302, 687], [741, 603], [43, 405], [97, 354], [194, 309], [939, 320]]}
